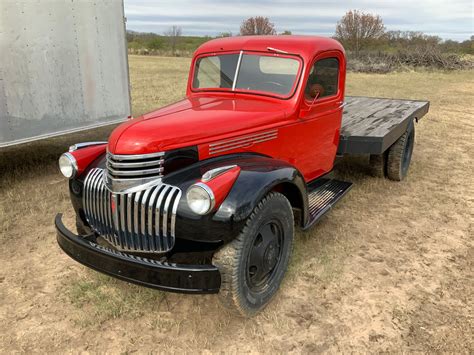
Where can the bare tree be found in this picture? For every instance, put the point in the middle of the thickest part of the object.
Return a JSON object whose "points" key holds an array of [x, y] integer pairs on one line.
{"points": [[258, 25], [357, 29], [174, 35]]}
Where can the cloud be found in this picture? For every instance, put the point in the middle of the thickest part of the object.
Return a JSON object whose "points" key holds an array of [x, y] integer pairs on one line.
{"points": [[451, 19]]}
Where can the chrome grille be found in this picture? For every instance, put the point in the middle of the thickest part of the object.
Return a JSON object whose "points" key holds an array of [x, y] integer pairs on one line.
{"points": [[129, 173], [143, 221]]}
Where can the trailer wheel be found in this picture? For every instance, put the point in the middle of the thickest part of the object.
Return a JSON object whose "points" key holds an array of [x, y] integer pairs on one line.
{"points": [[399, 155], [252, 266], [378, 165]]}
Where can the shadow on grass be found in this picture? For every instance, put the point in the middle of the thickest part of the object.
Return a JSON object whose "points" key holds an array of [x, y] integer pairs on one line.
{"points": [[32, 158]]}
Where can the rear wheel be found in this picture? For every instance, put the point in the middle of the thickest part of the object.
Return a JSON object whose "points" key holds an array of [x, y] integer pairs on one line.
{"points": [[252, 266], [399, 155]]}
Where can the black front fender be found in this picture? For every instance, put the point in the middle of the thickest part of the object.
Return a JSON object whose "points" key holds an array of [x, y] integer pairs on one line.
{"points": [[258, 176]]}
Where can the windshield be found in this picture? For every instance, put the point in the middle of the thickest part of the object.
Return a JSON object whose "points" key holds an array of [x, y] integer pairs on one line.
{"points": [[270, 74]]}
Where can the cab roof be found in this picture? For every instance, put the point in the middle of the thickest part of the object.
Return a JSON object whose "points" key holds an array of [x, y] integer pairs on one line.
{"points": [[305, 46]]}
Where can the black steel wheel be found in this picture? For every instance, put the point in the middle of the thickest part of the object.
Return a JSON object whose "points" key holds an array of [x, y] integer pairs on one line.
{"points": [[253, 265], [399, 155], [265, 254]]}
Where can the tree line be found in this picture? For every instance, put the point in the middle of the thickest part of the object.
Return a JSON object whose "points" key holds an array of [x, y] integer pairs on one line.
{"points": [[360, 33]]}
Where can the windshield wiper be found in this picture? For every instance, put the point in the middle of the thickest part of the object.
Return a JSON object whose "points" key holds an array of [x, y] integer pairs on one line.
{"points": [[271, 49]]}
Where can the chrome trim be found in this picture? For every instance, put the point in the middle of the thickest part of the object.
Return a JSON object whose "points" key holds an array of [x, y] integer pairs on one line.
{"points": [[130, 185], [131, 173], [131, 165], [237, 69], [143, 221], [173, 213], [134, 172], [158, 205], [136, 156], [208, 191], [243, 141], [211, 174], [77, 146], [73, 162]]}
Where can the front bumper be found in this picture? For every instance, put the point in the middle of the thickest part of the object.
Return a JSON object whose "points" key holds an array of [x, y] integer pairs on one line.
{"points": [[145, 272]]}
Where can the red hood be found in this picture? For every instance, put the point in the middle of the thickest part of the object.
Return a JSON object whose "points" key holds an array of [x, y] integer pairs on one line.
{"points": [[193, 121]]}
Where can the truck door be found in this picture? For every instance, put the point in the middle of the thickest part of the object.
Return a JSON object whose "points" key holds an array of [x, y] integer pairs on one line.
{"points": [[322, 107]]}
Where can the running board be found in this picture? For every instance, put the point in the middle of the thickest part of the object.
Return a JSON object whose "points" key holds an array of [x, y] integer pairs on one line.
{"points": [[323, 197]]}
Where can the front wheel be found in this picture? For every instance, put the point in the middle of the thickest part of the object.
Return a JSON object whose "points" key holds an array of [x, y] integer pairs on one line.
{"points": [[252, 266]]}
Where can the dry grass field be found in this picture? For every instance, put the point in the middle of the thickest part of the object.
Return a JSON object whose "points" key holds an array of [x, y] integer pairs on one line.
{"points": [[389, 269]]}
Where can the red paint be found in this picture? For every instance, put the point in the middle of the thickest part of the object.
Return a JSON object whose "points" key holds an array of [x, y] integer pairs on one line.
{"points": [[222, 184], [85, 156], [307, 134]]}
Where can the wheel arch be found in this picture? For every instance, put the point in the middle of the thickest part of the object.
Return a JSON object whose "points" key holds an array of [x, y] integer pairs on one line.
{"points": [[258, 176], [256, 181], [295, 197]]}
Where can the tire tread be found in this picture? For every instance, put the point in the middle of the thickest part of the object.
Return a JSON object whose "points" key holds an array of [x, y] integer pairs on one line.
{"points": [[227, 261]]}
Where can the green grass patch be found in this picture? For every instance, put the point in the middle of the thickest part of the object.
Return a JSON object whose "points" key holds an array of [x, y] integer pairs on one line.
{"points": [[100, 298]]}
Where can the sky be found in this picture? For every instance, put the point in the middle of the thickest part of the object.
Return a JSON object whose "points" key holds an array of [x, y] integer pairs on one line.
{"points": [[448, 19]]}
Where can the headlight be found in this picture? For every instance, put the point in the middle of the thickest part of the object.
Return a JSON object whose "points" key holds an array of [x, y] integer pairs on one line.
{"points": [[200, 198], [68, 165]]}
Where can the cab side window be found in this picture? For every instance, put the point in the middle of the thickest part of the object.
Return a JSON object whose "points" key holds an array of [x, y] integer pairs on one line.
{"points": [[323, 79]]}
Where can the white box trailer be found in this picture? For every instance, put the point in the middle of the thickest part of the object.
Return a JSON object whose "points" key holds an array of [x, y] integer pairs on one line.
{"points": [[63, 67]]}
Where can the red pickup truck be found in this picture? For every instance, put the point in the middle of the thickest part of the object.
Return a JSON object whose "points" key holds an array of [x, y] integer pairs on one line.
{"points": [[203, 196]]}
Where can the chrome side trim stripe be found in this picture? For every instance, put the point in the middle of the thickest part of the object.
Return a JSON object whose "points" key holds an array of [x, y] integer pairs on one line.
{"points": [[241, 142]]}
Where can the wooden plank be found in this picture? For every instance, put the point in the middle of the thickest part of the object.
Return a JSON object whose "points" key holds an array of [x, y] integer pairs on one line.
{"points": [[371, 125]]}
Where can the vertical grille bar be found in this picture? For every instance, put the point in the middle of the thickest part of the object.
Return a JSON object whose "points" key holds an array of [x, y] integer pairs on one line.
{"points": [[173, 213], [123, 225], [95, 181], [165, 213], [143, 221], [159, 208], [137, 219], [152, 217], [130, 205], [144, 216], [102, 208], [108, 221]]}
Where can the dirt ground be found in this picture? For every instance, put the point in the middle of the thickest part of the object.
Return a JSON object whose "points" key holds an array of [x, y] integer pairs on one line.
{"points": [[388, 269]]}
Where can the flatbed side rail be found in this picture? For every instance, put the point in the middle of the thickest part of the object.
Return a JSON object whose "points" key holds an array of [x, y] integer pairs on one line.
{"points": [[371, 125]]}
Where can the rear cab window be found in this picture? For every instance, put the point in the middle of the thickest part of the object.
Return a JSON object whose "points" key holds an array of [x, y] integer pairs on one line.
{"points": [[323, 79]]}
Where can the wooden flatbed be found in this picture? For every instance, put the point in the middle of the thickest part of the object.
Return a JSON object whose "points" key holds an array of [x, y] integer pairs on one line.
{"points": [[371, 125]]}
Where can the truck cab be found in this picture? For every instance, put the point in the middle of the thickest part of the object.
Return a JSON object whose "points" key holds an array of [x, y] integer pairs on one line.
{"points": [[204, 195]]}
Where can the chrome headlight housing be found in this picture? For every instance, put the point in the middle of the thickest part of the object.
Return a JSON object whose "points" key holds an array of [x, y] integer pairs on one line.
{"points": [[68, 165], [200, 198]]}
